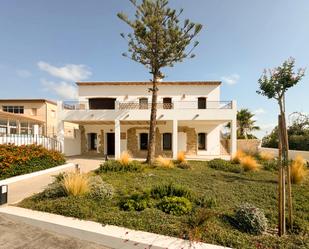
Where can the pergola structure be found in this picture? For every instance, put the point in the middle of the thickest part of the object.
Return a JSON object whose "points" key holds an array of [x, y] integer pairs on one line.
{"points": [[11, 123]]}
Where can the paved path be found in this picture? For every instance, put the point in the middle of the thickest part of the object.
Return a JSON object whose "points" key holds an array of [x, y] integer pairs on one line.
{"points": [[17, 235], [25, 188]]}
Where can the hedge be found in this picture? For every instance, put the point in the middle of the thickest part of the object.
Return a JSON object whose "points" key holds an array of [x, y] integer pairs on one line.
{"points": [[24, 159]]}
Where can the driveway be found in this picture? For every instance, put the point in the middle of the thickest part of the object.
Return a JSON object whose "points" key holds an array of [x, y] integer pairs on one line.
{"points": [[25, 188], [17, 235]]}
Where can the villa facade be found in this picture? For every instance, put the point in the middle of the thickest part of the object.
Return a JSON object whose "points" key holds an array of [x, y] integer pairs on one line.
{"points": [[114, 117]]}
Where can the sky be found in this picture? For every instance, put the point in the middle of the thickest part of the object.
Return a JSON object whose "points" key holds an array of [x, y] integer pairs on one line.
{"points": [[46, 46]]}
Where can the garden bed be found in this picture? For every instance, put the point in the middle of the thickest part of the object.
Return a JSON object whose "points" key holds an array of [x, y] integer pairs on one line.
{"points": [[213, 194], [25, 159]]}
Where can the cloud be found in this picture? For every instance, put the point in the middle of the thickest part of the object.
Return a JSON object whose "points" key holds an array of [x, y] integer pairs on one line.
{"points": [[259, 111], [69, 72], [23, 73], [62, 89], [231, 79]]}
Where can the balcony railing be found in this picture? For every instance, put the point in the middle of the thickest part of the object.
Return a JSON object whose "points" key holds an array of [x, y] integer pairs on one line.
{"points": [[135, 105]]}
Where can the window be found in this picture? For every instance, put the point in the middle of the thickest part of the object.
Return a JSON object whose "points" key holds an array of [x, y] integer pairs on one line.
{"points": [[167, 141], [143, 141], [102, 104], [143, 103], [202, 103], [13, 109], [202, 141], [167, 103]]}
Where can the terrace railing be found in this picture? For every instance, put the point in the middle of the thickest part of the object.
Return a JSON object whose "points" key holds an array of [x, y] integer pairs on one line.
{"points": [[135, 105], [24, 139]]}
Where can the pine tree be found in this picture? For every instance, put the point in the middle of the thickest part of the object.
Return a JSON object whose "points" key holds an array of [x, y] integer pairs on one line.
{"points": [[158, 41]]}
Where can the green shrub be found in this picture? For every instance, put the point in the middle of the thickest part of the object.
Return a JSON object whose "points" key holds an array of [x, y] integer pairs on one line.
{"points": [[53, 190], [183, 165], [136, 202], [206, 202], [175, 205], [100, 190], [116, 166], [170, 190], [271, 165], [250, 219], [223, 165]]}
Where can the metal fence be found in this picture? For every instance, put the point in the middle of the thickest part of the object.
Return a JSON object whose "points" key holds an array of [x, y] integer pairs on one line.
{"points": [[46, 142]]}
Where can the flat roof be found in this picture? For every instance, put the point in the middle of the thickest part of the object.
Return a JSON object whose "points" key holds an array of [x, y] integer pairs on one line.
{"points": [[29, 100], [141, 83]]}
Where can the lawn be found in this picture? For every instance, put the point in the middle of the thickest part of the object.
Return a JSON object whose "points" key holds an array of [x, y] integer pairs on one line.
{"points": [[225, 190]]}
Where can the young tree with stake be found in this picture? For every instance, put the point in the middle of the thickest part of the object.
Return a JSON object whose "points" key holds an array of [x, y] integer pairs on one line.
{"points": [[274, 85], [158, 41]]}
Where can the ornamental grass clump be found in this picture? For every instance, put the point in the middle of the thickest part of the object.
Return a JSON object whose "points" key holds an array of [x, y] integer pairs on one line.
{"points": [[76, 184], [298, 171], [250, 219], [249, 163], [170, 189], [266, 156], [238, 156], [125, 158], [163, 162], [181, 157], [175, 205]]}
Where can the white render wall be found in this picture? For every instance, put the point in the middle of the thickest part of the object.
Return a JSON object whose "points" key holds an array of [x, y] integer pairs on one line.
{"points": [[132, 93], [72, 144]]}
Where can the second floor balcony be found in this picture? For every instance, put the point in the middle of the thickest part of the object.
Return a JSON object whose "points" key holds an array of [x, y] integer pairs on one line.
{"points": [[112, 104]]}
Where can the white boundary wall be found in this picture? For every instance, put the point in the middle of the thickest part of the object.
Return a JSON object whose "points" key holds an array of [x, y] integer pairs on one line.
{"points": [[292, 153]]}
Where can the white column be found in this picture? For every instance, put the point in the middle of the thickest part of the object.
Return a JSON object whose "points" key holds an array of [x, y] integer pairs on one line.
{"points": [[18, 127], [8, 129], [36, 129], [117, 139], [175, 139], [233, 144], [60, 126]]}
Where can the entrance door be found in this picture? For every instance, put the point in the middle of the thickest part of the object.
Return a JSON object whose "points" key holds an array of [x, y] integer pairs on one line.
{"points": [[110, 144], [92, 138]]}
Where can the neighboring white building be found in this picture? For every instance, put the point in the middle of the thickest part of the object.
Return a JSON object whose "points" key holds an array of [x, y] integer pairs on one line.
{"points": [[114, 117]]}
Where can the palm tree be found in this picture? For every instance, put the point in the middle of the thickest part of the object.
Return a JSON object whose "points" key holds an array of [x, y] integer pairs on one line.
{"points": [[245, 124]]}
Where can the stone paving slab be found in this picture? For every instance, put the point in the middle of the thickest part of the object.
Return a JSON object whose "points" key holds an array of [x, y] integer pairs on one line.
{"points": [[17, 235]]}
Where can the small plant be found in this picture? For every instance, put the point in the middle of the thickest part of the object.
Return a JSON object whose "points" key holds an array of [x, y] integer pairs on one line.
{"points": [[238, 156], [266, 156], [184, 165], [271, 165], [181, 157], [175, 205], [169, 190], [206, 202], [53, 190], [250, 219], [116, 166], [99, 190], [76, 184], [249, 163], [136, 202], [298, 171], [220, 164], [125, 158], [163, 162]]}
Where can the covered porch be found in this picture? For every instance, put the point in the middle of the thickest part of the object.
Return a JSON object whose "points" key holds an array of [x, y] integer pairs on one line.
{"points": [[200, 140]]}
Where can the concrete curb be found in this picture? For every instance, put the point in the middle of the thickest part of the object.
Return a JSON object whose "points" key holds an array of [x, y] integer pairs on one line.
{"points": [[109, 236], [34, 174]]}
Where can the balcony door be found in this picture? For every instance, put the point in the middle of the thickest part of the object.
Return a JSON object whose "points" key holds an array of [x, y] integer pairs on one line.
{"points": [[102, 103], [143, 103], [167, 103]]}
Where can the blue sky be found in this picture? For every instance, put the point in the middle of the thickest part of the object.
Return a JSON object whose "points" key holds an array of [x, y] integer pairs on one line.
{"points": [[46, 45]]}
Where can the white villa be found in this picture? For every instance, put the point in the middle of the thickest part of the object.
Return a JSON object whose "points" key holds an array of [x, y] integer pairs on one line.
{"points": [[114, 117]]}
